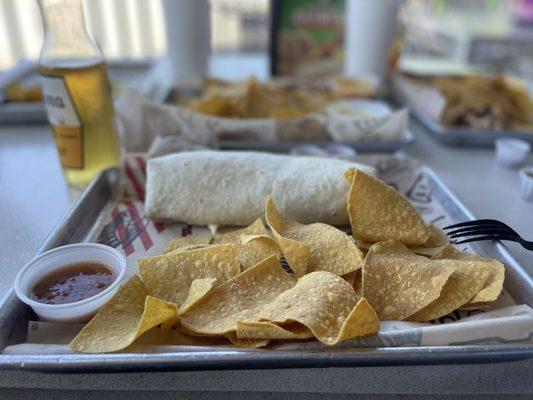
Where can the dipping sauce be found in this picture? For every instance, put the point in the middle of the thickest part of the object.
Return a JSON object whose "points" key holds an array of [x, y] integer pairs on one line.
{"points": [[73, 283]]}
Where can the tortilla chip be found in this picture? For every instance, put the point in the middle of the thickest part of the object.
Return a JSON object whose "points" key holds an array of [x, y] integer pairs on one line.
{"points": [[494, 284], [437, 237], [398, 283], [378, 213], [239, 299], [129, 314], [256, 228], [362, 320], [268, 330], [199, 288], [436, 241], [474, 306], [330, 249], [188, 241], [247, 343], [160, 337], [420, 250], [170, 275], [255, 248], [322, 302], [466, 280], [295, 253]]}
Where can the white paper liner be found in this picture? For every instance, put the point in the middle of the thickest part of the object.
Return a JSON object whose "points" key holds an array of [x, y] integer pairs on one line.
{"points": [[141, 121]]}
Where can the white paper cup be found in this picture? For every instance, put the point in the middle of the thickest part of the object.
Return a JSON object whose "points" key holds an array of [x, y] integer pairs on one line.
{"points": [[46, 263], [369, 32], [511, 153]]}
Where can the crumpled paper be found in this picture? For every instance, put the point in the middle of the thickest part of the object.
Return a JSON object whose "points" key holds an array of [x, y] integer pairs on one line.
{"points": [[141, 121]]}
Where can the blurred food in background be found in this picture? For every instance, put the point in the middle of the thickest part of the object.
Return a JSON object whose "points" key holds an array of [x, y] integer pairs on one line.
{"points": [[307, 37], [279, 99], [486, 103], [27, 89]]}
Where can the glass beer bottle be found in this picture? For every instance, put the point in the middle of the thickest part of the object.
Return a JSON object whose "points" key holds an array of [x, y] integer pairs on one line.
{"points": [[77, 93]]}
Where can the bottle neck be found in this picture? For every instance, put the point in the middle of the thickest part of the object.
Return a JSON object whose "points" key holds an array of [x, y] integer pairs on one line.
{"points": [[66, 37]]}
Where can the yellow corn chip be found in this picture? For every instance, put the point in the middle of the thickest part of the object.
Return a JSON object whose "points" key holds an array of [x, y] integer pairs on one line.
{"points": [[397, 283], [159, 336], [436, 241], [322, 302], [362, 320], [494, 284], [378, 213], [170, 275], [255, 248], [437, 237], [199, 288], [330, 249], [129, 314], [257, 228], [246, 343], [474, 306], [239, 299], [466, 280], [268, 330], [188, 241], [420, 250], [296, 254]]}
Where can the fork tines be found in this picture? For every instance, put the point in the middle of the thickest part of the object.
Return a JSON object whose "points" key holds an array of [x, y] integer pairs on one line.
{"points": [[483, 229]]}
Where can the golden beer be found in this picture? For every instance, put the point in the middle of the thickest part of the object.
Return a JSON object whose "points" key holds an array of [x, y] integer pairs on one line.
{"points": [[77, 93], [87, 140]]}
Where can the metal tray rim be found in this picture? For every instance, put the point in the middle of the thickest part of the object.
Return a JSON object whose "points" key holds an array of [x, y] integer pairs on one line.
{"points": [[235, 359]]}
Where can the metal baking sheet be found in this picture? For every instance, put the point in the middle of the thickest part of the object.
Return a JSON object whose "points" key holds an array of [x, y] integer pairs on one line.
{"points": [[76, 226], [456, 136], [132, 72], [369, 146], [465, 137]]}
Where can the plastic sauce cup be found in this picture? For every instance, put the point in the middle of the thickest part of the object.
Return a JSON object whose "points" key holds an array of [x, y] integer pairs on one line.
{"points": [[46, 263], [511, 153]]}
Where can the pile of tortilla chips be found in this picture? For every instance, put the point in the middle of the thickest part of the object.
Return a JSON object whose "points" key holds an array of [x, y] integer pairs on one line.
{"points": [[480, 102], [254, 99], [288, 281]]}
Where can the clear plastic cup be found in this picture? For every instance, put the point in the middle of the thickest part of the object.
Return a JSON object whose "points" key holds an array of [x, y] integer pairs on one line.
{"points": [[511, 153], [46, 263]]}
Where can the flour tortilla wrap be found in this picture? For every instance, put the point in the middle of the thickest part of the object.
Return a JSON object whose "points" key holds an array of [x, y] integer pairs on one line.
{"points": [[231, 188]]}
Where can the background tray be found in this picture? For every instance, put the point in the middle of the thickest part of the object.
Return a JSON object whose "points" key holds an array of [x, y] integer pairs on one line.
{"points": [[446, 134], [77, 226], [370, 146], [465, 137]]}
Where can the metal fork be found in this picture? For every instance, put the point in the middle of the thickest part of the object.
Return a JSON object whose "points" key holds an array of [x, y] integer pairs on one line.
{"points": [[485, 229]]}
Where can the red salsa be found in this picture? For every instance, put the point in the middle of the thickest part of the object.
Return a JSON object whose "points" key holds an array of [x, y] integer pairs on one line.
{"points": [[73, 283]]}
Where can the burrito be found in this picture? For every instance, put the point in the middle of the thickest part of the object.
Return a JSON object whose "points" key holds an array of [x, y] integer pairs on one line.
{"points": [[231, 188]]}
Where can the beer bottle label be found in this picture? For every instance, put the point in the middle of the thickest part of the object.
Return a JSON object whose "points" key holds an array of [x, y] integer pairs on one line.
{"points": [[65, 121]]}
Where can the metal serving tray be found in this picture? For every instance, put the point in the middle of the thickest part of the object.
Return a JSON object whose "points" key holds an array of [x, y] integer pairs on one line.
{"points": [[76, 227], [465, 137], [369, 146], [451, 135]]}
